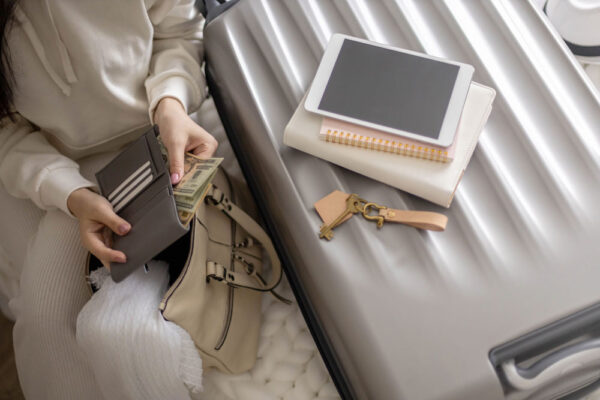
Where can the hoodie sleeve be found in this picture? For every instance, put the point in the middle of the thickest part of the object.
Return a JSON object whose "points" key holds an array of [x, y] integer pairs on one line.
{"points": [[176, 55], [31, 168]]}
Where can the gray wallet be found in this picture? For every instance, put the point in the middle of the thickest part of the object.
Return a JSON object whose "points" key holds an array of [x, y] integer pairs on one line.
{"points": [[137, 185]]}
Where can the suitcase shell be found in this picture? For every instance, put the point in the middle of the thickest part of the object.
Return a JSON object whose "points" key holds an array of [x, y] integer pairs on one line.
{"points": [[406, 314]]}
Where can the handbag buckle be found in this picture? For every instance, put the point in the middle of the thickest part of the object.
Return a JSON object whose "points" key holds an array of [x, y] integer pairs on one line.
{"points": [[215, 271], [248, 266], [222, 203]]}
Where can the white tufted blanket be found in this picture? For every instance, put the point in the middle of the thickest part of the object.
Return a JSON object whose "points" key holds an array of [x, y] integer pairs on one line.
{"points": [[133, 352], [289, 367]]}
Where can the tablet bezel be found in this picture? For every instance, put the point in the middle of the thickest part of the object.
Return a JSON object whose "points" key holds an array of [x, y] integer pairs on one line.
{"points": [[451, 117]]}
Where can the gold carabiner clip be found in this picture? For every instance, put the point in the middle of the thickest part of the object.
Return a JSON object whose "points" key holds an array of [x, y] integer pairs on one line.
{"points": [[378, 218]]}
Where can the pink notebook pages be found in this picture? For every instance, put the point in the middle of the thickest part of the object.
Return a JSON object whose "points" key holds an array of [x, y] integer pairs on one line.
{"points": [[337, 131]]}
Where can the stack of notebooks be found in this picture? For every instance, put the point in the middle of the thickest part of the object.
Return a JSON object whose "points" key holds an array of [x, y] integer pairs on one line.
{"points": [[336, 131], [430, 172]]}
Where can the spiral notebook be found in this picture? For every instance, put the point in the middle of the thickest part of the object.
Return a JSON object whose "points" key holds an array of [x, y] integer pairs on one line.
{"points": [[342, 132], [433, 181]]}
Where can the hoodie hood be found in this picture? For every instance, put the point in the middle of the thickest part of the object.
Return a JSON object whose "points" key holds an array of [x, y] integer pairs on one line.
{"points": [[68, 77], [89, 73]]}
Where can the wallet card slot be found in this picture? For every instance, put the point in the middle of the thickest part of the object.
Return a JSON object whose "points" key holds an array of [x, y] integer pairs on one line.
{"points": [[139, 189], [144, 200], [116, 194], [154, 148], [158, 223], [135, 184], [123, 169]]}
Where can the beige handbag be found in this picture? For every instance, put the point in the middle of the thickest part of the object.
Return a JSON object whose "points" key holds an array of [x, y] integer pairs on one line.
{"points": [[216, 296]]}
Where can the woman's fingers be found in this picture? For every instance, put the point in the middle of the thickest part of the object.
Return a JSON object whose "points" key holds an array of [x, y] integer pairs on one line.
{"points": [[105, 215], [179, 134], [96, 221], [206, 148], [93, 240], [107, 237], [175, 149]]}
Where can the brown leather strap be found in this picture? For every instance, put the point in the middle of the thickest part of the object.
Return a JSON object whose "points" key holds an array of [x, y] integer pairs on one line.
{"points": [[418, 219], [240, 279], [332, 205], [248, 280]]}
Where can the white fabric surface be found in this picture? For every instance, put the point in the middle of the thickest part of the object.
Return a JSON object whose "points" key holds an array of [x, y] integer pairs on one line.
{"points": [[288, 367], [133, 352]]}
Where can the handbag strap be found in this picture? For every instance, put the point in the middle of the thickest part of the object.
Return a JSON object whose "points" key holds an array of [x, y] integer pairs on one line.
{"points": [[248, 279]]}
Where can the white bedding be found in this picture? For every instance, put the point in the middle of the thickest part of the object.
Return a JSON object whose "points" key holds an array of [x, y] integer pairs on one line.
{"points": [[133, 352]]}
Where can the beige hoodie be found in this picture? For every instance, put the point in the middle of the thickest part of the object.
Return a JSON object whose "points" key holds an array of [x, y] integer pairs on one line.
{"points": [[88, 75]]}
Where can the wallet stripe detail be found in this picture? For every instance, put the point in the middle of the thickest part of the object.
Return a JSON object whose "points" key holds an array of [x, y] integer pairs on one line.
{"points": [[132, 186], [134, 192], [126, 182]]}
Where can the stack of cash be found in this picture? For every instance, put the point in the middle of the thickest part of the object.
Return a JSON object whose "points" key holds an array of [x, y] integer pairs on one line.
{"points": [[189, 193]]}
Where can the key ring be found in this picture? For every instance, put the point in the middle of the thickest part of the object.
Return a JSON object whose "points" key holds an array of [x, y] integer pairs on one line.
{"points": [[367, 209]]}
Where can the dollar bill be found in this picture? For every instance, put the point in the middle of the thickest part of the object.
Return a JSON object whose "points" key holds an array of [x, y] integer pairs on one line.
{"points": [[198, 173], [189, 203], [184, 212], [187, 206]]}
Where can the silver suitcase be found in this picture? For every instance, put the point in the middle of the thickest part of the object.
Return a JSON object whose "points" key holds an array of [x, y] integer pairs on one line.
{"points": [[506, 302]]}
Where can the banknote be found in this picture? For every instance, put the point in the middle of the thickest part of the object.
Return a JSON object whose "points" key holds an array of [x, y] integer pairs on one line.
{"points": [[185, 212], [197, 172], [189, 203], [187, 206], [191, 189]]}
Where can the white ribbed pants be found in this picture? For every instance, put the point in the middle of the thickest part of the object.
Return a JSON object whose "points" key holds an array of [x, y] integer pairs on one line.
{"points": [[44, 250]]}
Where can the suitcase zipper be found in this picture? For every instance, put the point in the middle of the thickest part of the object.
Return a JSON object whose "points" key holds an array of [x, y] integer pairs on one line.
{"points": [[230, 293]]}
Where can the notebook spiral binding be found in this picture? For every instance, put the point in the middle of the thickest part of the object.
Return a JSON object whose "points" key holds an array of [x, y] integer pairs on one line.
{"points": [[390, 146]]}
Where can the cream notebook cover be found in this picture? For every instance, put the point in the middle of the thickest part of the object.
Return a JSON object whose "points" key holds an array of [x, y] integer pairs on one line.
{"points": [[429, 180]]}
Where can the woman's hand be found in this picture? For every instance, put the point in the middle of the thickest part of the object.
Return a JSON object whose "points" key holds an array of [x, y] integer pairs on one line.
{"points": [[180, 134], [96, 221]]}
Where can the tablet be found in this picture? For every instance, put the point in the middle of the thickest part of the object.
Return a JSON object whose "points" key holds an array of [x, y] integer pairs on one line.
{"points": [[397, 91]]}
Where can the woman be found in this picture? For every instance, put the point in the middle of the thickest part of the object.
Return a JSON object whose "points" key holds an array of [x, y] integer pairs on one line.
{"points": [[78, 81]]}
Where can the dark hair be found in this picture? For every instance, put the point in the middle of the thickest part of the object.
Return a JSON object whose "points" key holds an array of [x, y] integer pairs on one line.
{"points": [[7, 8]]}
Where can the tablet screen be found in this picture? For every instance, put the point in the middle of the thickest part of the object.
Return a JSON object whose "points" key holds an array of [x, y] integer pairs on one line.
{"points": [[390, 88]]}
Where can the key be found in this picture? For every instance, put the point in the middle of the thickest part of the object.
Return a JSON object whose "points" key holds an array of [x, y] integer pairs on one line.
{"points": [[354, 204], [352, 207]]}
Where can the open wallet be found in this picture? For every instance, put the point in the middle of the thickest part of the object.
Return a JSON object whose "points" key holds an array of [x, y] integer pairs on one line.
{"points": [[137, 184]]}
